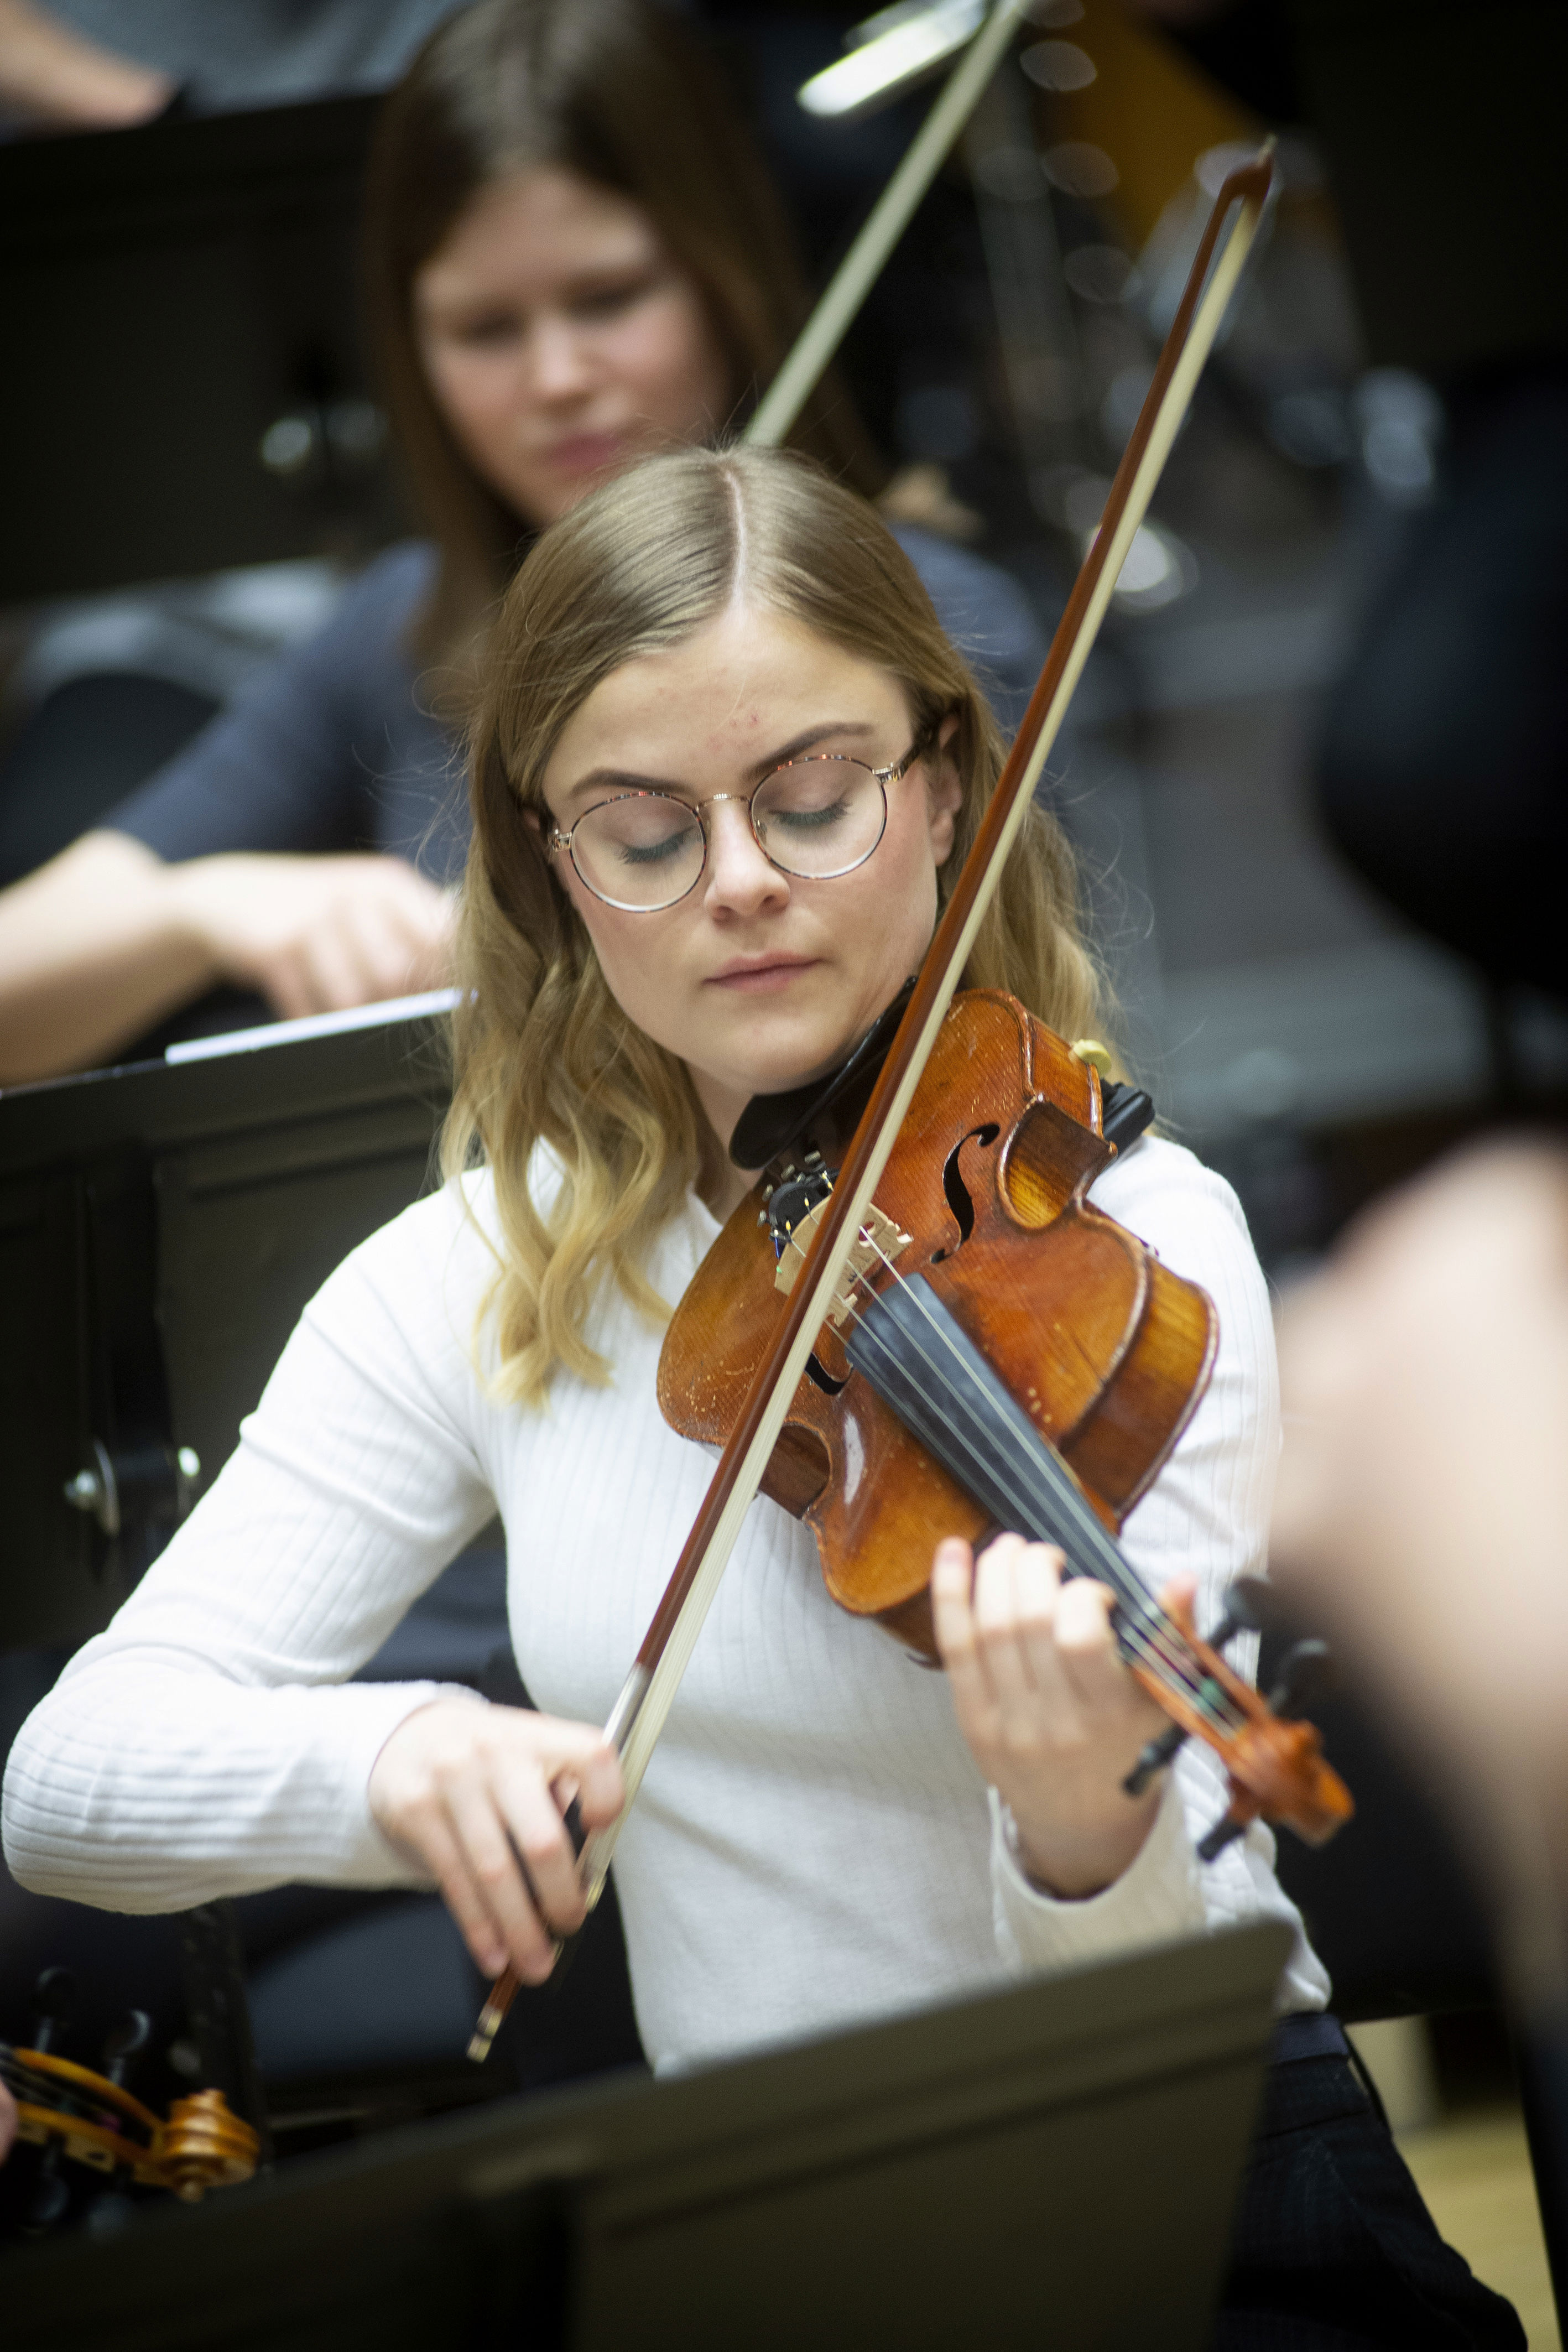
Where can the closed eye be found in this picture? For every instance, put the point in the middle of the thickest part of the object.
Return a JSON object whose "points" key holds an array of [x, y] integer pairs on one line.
{"points": [[797, 820]]}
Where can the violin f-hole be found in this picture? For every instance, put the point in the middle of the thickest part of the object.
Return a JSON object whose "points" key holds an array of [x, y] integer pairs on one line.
{"points": [[959, 1198]]}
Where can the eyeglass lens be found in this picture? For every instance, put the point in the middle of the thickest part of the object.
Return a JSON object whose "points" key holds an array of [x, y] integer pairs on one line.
{"points": [[815, 817]]}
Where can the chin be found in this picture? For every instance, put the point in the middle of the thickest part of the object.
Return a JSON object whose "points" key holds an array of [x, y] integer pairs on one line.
{"points": [[794, 1064]]}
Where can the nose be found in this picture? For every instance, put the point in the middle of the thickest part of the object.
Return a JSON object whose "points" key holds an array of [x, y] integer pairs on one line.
{"points": [[739, 880], [562, 366]]}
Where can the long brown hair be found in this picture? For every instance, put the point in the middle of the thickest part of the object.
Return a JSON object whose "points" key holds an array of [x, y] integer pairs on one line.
{"points": [[544, 1054], [618, 92]]}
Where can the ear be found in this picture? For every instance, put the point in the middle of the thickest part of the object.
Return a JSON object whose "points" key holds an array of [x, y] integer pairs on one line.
{"points": [[943, 789], [531, 818]]}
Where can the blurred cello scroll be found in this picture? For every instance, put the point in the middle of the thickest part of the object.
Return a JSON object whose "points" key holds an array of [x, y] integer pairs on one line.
{"points": [[88, 2118]]}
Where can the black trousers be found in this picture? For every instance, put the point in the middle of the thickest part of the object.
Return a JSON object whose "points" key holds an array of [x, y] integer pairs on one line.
{"points": [[1334, 2251]]}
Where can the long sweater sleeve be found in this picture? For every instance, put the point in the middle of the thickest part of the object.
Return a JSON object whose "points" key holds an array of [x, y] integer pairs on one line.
{"points": [[207, 1743]]}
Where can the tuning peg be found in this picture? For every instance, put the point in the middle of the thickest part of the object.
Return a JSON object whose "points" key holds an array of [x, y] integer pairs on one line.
{"points": [[109, 2213], [1248, 1606], [1154, 1754], [50, 2200], [129, 2039], [54, 2001], [1305, 1672], [1225, 1831]]}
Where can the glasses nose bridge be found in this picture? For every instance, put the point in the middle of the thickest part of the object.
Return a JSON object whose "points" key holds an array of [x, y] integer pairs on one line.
{"points": [[748, 835]]}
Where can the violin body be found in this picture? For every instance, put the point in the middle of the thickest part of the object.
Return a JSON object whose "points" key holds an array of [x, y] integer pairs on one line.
{"points": [[1107, 1351]]}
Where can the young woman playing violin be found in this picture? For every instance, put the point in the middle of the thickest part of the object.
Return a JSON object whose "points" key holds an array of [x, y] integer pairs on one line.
{"points": [[726, 762]]}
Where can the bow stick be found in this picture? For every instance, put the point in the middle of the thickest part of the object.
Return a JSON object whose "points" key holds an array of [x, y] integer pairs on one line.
{"points": [[852, 280], [643, 1704]]}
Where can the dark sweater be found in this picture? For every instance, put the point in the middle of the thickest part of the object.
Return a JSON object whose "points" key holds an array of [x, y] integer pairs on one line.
{"points": [[332, 746]]}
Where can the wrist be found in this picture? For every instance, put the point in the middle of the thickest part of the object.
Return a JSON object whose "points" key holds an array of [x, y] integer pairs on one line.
{"points": [[191, 910], [1074, 1862]]}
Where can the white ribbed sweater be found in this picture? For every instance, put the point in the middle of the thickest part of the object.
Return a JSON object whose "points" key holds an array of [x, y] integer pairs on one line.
{"points": [[813, 1841]]}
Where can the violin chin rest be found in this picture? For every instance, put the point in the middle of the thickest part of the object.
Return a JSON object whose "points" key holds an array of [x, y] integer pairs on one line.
{"points": [[773, 1124]]}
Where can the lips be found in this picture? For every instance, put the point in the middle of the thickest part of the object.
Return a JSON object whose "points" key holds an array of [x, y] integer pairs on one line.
{"points": [[758, 975], [586, 453]]}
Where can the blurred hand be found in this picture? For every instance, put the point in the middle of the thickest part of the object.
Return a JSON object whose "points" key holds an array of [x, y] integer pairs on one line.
{"points": [[477, 1793], [1423, 1496], [1050, 1713], [55, 74], [318, 934], [8, 2121]]}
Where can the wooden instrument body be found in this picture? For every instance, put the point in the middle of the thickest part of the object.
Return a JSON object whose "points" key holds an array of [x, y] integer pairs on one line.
{"points": [[1106, 1349]]}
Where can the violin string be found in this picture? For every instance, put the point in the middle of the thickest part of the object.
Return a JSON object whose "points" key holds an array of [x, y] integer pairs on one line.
{"points": [[1145, 1629], [1145, 1626]]}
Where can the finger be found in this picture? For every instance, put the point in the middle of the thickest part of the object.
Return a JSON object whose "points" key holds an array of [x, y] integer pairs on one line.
{"points": [[332, 968], [428, 1831], [1017, 1595], [1040, 1585], [493, 1864], [384, 948], [432, 963], [1086, 1647], [953, 1617], [576, 1759], [426, 911], [534, 1817], [286, 981]]}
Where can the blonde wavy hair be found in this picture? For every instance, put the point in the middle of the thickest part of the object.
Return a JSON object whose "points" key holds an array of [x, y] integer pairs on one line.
{"points": [[544, 1054]]}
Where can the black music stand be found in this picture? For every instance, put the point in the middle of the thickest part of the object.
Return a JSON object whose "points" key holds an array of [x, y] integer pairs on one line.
{"points": [[1055, 2163], [161, 1226]]}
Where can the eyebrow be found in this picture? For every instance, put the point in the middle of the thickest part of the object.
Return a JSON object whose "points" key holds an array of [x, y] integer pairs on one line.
{"points": [[623, 780]]}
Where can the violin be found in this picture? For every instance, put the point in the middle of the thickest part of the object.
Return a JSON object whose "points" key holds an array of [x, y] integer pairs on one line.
{"points": [[998, 1353], [776, 1440]]}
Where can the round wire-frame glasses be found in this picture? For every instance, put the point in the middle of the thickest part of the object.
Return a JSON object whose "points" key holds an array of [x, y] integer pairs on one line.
{"points": [[814, 818]]}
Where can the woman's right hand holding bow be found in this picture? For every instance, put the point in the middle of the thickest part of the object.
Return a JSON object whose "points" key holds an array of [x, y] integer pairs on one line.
{"points": [[476, 1794]]}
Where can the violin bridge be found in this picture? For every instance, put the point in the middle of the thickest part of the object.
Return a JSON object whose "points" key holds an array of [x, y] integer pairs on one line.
{"points": [[878, 1239]]}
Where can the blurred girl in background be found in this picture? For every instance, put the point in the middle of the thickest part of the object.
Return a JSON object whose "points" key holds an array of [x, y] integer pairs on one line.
{"points": [[574, 257]]}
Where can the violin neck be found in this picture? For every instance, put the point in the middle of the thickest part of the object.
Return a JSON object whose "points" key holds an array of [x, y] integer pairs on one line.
{"points": [[924, 1367]]}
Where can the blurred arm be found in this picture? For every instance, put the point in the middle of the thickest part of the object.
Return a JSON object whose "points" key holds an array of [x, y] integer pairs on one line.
{"points": [[1423, 1497], [53, 73], [92, 950], [106, 939]]}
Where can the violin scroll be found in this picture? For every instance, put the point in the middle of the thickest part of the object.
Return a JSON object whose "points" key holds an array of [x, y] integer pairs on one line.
{"points": [[1274, 1762]]}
